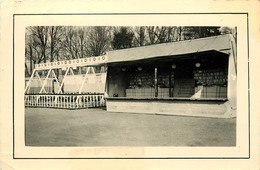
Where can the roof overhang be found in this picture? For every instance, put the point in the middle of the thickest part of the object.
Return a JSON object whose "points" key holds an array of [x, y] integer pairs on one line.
{"points": [[219, 44]]}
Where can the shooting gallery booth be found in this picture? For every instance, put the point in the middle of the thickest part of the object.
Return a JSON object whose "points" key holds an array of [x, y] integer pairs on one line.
{"points": [[192, 78]]}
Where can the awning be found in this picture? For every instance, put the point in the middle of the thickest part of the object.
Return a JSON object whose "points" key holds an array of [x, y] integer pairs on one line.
{"points": [[219, 43]]}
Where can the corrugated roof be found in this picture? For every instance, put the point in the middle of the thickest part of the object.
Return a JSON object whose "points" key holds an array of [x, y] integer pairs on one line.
{"points": [[218, 43]]}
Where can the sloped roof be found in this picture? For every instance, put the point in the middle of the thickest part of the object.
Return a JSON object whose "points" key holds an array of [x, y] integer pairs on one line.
{"points": [[217, 43]]}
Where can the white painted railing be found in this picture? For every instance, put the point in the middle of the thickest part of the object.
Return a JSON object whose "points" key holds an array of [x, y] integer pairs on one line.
{"points": [[67, 101]]}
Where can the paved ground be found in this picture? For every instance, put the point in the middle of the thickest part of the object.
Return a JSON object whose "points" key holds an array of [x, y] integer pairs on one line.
{"points": [[96, 127]]}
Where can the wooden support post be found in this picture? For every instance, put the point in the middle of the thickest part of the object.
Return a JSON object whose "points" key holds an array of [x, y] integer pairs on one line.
{"points": [[80, 70], [40, 80], [170, 84], [70, 103], [234, 56], [59, 91], [45, 80], [67, 100], [56, 78], [155, 82], [29, 83], [58, 83]]}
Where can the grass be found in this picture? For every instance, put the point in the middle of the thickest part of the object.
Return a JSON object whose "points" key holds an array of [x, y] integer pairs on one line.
{"points": [[96, 127]]}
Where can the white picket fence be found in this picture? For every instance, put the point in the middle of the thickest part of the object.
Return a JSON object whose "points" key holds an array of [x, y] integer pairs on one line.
{"points": [[66, 101]]}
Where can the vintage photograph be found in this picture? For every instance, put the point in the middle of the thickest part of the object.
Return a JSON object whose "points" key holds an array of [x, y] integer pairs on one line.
{"points": [[130, 86]]}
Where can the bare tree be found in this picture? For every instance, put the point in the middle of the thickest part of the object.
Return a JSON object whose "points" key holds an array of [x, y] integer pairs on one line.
{"points": [[55, 34], [69, 43], [28, 53], [99, 41], [161, 34], [140, 37], [180, 36], [189, 33], [40, 38], [47, 43], [33, 52], [82, 42]]}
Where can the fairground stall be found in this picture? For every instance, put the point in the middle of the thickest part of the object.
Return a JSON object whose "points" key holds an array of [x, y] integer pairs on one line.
{"points": [[194, 77], [71, 84]]}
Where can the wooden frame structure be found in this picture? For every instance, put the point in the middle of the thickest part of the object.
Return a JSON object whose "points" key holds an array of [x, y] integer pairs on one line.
{"points": [[60, 99]]}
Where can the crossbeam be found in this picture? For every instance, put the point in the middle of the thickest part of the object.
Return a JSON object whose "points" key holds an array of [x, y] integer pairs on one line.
{"points": [[79, 83], [90, 61]]}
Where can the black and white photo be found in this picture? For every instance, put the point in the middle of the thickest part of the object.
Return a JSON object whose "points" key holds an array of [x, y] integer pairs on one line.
{"points": [[130, 86]]}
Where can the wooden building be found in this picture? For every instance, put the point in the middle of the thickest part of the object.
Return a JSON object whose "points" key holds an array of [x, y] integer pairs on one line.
{"points": [[194, 78]]}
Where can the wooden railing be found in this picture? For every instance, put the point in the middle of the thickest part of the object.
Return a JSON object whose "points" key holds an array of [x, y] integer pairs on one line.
{"points": [[66, 101]]}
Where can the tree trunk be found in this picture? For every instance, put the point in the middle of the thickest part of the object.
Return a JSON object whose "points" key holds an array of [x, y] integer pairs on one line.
{"points": [[26, 70], [31, 59]]}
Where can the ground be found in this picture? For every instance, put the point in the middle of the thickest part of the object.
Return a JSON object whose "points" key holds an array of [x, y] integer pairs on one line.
{"points": [[97, 127]]}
